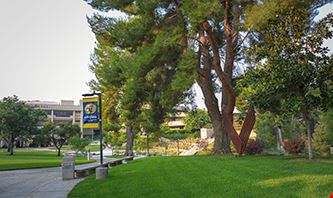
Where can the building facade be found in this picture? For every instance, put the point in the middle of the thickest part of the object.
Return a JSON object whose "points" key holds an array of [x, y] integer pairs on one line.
{"points": [[65, 111]]}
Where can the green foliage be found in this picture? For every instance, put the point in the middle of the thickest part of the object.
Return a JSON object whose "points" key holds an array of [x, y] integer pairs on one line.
{"points": [[61, 133], [40, 138], [199, 11], [327, 123], [290, 78], [17, 120], [320, 141], [260, 15], [181, 134], [265, 129], [197, 119], [293, 74], [113, 138], [79, 144], [136, 61]]}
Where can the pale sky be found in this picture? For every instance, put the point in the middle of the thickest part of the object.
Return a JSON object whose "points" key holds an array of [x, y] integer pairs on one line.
{"points": [[45, 48]]}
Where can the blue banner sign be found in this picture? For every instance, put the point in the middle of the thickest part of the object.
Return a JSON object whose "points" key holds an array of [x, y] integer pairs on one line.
{"points": [[90, 113]]}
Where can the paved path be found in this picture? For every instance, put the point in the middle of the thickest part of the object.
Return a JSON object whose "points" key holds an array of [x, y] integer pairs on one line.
{"points": [[36, 183]]}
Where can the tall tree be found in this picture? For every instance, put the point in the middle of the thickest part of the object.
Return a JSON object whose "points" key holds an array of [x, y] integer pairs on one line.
{"points": [[190, 40], [294, 70], [17, 120], [61, 133], [152, 55], [164, 36]]}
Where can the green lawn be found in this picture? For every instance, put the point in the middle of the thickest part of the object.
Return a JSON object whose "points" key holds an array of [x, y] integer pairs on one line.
{"points": [[205, 176], [24, 159], [93, 148]]}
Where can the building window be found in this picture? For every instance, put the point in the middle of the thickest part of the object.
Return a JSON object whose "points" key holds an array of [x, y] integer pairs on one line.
{"points": [[63, 113]]}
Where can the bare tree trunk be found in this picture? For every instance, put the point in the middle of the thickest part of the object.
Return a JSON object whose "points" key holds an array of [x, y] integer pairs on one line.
{"points": [[279, 137], [58, 152], [213, 112], [11, 148], [206, 84], [225, 134], [129, 141], [310, 124]]}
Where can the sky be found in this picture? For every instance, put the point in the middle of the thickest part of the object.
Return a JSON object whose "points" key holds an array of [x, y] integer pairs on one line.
{"points": [[45, 48]]}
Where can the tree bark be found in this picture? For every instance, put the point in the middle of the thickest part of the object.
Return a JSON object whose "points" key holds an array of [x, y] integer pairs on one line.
{"points": [[129, 141], [279, 137], [11, 148], [222, 119], [206, 84], [310, 124], [213, 112], [58, 152]]}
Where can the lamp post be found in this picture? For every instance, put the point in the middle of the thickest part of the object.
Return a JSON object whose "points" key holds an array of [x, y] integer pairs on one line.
{"points": [[100, 121]]}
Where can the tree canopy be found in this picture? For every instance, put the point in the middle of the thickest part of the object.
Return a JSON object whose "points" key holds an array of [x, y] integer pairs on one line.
{"points": [[294, 69], [152, 56], [17, 120]]}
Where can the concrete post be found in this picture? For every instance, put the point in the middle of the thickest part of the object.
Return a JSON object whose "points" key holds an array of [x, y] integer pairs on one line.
{"points": [[101, 172], [68, 166]]}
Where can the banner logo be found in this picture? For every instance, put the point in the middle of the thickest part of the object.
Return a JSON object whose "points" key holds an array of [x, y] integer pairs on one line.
{"points": [[90, 108]]}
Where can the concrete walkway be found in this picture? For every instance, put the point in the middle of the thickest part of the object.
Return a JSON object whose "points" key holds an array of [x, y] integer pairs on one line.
{"points": [[36, 183]]}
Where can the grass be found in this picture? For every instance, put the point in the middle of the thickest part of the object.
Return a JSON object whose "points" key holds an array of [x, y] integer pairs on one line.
{"points": [[93, 148], [207, 176], [26, 159]]}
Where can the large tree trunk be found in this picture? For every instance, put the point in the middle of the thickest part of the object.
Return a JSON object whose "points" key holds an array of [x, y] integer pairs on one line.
{"points": [[206, 84], [213, 112], [58, 152], [129, 141], [310, 124], [225, 134]]}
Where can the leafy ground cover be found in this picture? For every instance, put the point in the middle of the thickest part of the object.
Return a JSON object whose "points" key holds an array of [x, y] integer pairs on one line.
{"points": [[206, 176], [24, 159]]}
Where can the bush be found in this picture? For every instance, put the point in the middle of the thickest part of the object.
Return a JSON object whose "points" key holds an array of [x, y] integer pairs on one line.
{"points": [[326, 121], [294, 146], [78, 144], [320, 141], [254, 147]]}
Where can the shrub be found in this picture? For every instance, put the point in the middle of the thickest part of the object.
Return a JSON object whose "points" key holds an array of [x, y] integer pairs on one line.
{"points": [[78, 144], [294, 146], [320, 141], [254, 147], [326, 121]]}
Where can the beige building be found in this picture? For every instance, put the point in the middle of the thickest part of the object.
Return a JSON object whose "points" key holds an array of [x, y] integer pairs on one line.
{"points": [[65, 111], [176, 120]]}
